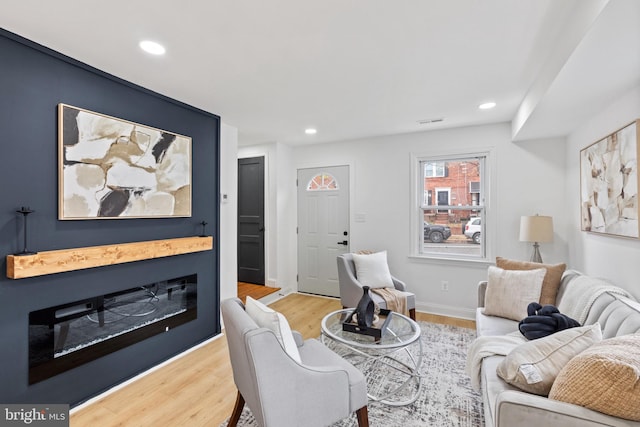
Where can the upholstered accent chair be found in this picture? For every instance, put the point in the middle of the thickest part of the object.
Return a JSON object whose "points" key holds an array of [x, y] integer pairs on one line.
{"points": [[351, 288], [320, 390]]}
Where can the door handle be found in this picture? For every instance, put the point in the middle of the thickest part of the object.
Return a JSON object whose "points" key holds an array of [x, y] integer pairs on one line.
{"points": [[344, 242]]}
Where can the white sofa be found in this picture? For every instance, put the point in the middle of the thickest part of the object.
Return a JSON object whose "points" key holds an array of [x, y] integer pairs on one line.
{"points": [[507, 406]]}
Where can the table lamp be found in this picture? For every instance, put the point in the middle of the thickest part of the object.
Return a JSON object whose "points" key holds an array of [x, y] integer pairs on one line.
{"points": [[536, 229]]}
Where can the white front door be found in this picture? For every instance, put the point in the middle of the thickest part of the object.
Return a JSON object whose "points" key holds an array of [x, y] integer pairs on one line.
{"points": [[323, 227]]}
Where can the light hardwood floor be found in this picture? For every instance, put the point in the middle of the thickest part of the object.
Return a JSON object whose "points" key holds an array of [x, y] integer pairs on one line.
{"points": [[197, 389], [254, 291]]}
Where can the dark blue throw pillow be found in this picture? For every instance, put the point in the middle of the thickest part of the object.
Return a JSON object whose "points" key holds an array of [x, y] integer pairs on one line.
{"points": [[544, 320]]}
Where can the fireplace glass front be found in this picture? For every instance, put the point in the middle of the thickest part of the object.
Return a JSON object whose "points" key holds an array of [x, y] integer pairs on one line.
{"points": [[68, 335]]}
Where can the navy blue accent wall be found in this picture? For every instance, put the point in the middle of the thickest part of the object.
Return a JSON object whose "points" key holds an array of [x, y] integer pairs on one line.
{"points": [[33, 80]]}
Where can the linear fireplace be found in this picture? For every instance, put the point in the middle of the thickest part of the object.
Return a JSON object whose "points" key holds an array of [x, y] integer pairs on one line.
{"points": [[68, 335]]}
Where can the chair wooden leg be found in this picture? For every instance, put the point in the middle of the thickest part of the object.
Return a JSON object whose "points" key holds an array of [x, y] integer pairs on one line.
{"points": [[412, 313], [363, 417], [237, 410]]}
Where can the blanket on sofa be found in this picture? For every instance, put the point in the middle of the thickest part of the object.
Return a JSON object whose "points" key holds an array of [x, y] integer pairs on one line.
{"points": [[489, 346], [582, 292], [395, 300]]}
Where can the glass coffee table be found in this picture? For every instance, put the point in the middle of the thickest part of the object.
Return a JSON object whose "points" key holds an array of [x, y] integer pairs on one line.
{"points": [[390, 363]]}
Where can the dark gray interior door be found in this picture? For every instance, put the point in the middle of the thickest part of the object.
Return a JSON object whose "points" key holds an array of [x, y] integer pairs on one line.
{"points": [[251, 220]]}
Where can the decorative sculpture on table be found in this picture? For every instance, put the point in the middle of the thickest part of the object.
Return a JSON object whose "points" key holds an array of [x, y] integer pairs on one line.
{"points": [[367, 318], [365, 308]]}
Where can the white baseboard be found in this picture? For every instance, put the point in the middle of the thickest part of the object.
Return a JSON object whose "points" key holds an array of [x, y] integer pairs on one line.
{"points": [[272, 283], [275, 296], [446, 310]]}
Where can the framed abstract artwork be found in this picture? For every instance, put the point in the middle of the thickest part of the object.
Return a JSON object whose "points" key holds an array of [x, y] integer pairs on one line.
{"points": [[609, 184], [112, 168]]}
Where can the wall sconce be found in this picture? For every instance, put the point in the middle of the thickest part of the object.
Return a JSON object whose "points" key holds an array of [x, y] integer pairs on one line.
{"points": [[25, 211], [536, 229]]}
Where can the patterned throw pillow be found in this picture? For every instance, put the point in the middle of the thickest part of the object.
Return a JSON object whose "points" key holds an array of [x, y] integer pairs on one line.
{"points": [[510, 292], [534, 365], [552, 278], [605, 377]]}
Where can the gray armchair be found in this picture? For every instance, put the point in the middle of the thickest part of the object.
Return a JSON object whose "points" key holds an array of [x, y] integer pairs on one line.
{"points": [[281, 392], [351, 289]]}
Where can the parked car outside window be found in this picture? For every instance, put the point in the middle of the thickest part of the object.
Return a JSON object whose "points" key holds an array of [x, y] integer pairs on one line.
{"points": [[472, 229], [436, 233]]}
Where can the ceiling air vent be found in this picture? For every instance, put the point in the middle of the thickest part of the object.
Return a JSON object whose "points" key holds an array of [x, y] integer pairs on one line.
{"points": [[429, 121]]}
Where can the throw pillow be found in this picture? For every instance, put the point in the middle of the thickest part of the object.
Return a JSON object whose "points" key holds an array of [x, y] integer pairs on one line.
{"points": [[510, 292], [372, 270], [605, 377], [534, 365], [552, 278], [266, 317]]}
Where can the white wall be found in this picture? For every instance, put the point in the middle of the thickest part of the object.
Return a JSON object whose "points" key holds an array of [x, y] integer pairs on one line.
{"points": [[227, 241], [540, 176], [613, 258], [529, 177], [285, 234]]}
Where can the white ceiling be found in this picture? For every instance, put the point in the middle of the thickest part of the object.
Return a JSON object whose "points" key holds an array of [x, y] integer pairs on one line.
{"points": [[357, 68]]}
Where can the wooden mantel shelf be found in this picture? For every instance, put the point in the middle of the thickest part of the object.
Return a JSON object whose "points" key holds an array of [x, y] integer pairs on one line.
{"points": [[59, 261]]}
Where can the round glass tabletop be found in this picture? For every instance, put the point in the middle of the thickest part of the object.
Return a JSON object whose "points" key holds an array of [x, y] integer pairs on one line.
{"points": [[400, 331]]}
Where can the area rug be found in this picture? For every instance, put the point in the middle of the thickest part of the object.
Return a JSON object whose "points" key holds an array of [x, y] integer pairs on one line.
{"points": [[446, 397]]}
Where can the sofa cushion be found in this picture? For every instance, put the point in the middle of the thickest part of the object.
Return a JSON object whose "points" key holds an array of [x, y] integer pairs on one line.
{"points": [[493, 325], [617, 315], [372, 270], [492, 386], [551, 281], [266, 317], [510, 292], [534, 365], [579, 295], [604, 377]]}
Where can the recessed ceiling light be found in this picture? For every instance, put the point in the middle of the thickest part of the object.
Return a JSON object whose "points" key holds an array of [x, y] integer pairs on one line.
{"points": [[487, 105], [152, 47], [310, 131]]}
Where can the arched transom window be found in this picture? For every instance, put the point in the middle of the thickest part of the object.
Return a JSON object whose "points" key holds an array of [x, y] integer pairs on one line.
{"points": [[322, 182]]}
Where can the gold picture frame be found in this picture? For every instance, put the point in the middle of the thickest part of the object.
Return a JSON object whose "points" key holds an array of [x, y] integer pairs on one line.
{"points": [[110, 168], [609, 184]]}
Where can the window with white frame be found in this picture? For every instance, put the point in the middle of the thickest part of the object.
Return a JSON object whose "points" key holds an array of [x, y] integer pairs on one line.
{"points": [[435, 169], [451, 206]]}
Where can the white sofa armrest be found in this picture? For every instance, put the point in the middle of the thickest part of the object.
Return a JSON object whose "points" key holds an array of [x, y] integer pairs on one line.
{"points": [[482, 290], [519, 409]]}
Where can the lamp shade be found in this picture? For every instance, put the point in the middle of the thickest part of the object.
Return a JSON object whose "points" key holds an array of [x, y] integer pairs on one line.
{"points": [[536, 229]]}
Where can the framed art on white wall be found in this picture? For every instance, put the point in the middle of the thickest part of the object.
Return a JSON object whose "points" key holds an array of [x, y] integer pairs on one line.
{"points": [[609, 184], [113, 168]]}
